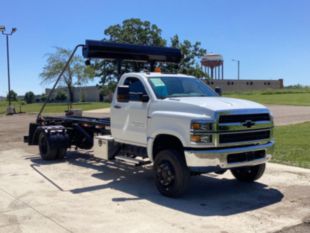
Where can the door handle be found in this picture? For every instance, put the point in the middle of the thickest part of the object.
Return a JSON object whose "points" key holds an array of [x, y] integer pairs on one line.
{"points": [[117, 106]]}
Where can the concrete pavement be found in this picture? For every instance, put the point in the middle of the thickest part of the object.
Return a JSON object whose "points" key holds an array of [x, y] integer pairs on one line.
{"points": [[84, 194]]}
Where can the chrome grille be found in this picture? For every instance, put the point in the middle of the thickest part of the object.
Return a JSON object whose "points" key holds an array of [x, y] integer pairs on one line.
{"points": [[244, 136], [244, 117], [244, 128]]}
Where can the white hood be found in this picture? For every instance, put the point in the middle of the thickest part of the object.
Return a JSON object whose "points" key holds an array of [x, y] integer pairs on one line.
{"points": [[219, 103]]}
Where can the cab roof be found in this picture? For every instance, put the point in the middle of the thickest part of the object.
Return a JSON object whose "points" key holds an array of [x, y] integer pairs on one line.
{"points": [[158, 74]]}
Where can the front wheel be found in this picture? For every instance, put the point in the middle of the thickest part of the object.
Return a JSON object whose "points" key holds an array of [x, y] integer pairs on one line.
{"points": [[250, 173], [172, 176]]}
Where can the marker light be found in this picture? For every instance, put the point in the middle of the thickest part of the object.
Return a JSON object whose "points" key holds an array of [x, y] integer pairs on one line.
{"points": [[157, 70]]}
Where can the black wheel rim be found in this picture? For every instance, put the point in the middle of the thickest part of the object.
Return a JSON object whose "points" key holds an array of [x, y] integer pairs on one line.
{"points": [[165, 174]]}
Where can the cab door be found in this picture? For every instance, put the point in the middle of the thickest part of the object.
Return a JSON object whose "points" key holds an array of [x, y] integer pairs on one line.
{"points": [[129, 119]]}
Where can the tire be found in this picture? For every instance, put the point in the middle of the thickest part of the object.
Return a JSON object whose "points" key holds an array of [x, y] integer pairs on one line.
{"points": [[61, 153], [50, 146], [59, 140], [47, 152], [172, 176], [249, 174]]}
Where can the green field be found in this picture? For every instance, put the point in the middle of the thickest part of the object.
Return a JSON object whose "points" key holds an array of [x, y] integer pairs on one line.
{"points": [[52, 107], [292, 145], [285, 96]]}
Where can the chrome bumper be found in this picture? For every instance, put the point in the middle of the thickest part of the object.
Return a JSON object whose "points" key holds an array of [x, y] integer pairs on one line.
{"points": [[205, 160]]}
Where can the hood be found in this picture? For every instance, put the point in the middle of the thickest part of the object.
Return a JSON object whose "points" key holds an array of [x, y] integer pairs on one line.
{"points": [[219, 103]]}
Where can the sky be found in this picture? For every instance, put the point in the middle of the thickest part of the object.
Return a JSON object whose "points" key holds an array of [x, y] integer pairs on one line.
{"points": [[271, 38]]}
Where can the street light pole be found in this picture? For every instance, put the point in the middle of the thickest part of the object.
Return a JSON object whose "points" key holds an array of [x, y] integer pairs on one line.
{"points": [[238, 66], [10, 110], [8, 65]]}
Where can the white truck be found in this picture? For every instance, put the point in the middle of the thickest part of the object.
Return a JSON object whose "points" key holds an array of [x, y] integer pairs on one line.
{"points": [[174, 122]]}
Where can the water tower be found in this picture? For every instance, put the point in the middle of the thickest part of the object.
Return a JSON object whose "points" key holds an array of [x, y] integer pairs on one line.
{"points": [[214, 65]]}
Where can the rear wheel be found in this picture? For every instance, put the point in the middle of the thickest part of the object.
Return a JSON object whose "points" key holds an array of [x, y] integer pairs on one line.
{"points": [[61, 153], [171, 173], [51, 146], [47, 152], [249, 174]]}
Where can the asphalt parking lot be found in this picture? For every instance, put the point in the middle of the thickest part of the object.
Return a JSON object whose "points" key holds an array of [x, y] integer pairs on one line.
{"points": [[85, 194]]}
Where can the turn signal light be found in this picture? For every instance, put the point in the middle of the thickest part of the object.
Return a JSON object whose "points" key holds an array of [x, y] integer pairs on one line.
{"points": [[196, 126], [157, 70], [195, 138]]}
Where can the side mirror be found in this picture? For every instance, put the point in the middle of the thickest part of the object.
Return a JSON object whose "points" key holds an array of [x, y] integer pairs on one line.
{"points": [[123, 94], [138, 96], [145, 98], [218, 90], [87, 62]]}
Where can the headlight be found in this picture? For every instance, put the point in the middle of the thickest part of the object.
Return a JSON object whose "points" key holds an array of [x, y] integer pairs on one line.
{"points": [[201, 126], [201, 132], [201, 138]]}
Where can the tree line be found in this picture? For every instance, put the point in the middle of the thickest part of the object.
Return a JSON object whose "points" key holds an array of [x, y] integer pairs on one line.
{"points": [[30, 97]]}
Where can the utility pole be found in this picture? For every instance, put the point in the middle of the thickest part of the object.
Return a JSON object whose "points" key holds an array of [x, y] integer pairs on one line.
{"points": [[238, 67], [10, 109]]}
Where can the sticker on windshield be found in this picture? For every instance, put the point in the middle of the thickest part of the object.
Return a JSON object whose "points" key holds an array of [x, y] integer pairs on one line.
{"points": [[157, 82]]}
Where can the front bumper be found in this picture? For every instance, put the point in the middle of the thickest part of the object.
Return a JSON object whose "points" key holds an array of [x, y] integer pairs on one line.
{"points": [[217, 159]]}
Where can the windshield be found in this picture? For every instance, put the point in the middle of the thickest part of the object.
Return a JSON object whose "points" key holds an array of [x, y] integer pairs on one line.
{"points": [[165, 87]]}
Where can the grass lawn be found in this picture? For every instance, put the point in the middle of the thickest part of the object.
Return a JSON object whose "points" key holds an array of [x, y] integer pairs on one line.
{"points": [[292, 145], [53, 107], [285, 96]]}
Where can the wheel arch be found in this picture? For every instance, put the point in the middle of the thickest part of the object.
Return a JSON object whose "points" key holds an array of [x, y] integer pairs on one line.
{"points": [[164, 141]]}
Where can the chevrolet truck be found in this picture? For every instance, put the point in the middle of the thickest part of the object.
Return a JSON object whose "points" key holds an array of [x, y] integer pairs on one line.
{"points": [[173, 122]]}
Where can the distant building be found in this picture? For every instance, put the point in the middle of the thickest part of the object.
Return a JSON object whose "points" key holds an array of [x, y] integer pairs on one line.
{"points": [[213, 65], [85, 94], [233, 85]]}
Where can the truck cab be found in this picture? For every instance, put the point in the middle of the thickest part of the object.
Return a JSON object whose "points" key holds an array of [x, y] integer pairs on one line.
{"points": [[186, 126]]}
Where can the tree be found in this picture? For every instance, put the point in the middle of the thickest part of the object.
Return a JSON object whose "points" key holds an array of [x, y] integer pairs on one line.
{"points": [[60, 96], [76, 69], [192, 53], [29, 97], [43, 97], [108, 90], [132, 31], [136, 31], [13, 96]]}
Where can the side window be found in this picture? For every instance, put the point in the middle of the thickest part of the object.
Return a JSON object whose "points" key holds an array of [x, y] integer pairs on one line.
{"points": [[136, 88]]}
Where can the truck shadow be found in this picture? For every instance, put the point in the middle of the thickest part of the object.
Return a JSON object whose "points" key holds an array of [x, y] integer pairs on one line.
{"points": [[207, 195]]}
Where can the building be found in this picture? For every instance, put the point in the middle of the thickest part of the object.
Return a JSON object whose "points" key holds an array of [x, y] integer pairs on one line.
{"points": [[213, 65], [233, 85], [84, 94]]}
